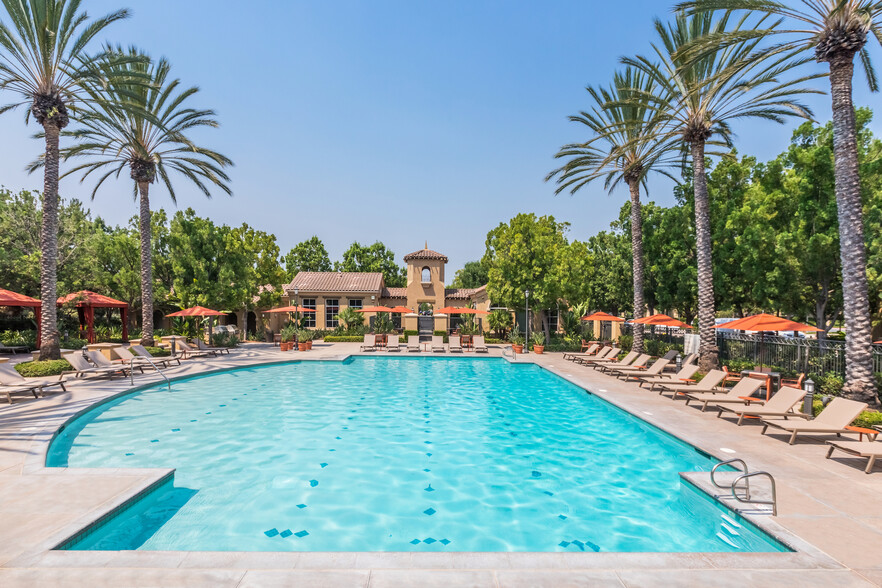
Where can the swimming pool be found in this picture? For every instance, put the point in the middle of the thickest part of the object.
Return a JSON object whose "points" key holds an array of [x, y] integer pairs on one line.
{"points": [[397, 454]]}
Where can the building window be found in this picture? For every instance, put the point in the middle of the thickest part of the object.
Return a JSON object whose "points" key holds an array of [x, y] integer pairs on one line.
{"points": [[332, 307], [356, 303], [553, 320], [308, 317], [427, 275]]}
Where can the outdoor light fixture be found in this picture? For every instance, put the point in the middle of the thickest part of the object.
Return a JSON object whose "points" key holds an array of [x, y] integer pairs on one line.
{"points": [[85, 349], [809, 387], [527, 322], [679, 362]]}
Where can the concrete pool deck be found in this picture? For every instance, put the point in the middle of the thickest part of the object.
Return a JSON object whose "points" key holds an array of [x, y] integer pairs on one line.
{"points": [[829, 510]]}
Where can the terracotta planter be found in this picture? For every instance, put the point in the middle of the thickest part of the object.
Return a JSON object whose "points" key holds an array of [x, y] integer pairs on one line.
{"points": [[302, 347], [283, 346], [540, 349], [517, 348], [309, 345]]}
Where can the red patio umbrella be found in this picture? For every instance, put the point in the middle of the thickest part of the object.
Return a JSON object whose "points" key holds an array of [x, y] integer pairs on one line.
{"points": [[198, 311], [376, 309], [766, 323], [400, 310], [291, 309], [662, 320], [10, 298]]}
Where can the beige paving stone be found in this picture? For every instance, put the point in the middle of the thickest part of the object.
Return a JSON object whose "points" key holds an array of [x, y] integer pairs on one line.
{"points": [[551, 579], [853, 544], [432, 579], [741, 578], [305, 579], [117, 578]]}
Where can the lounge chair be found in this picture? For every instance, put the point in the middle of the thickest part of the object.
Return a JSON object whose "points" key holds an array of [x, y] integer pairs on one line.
{"points": [[413, 343], [832, 420], [81, 367], [869, 449], [655, 369], [392, 344], [613, 357], [583, 359], [587, 351], [101, 361], [141, 351], [739, 394], [479, 345], [369, 344], [708, 383], [200, 344], [615, 365], [682, 376], [12, 382], [13, 349], [187, 352], [438, 344], [455, 343], [126, 358], [782, 405]]}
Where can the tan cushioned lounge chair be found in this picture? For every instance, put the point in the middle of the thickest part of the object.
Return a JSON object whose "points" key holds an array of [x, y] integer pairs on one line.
{"points": [[681, 377], [613, 366], [438, 344], [653, 370], [455, 343], [583, 359], [708, 384], [832, 420], [369, 343], [869, 449], [392, 344], [413, 343], [141, 351], [479, 345], [780, 405], [592, 349], [743, 389]]}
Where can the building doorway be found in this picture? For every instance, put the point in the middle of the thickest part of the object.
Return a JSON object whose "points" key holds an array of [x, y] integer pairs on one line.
{"points": [[426, 322]]}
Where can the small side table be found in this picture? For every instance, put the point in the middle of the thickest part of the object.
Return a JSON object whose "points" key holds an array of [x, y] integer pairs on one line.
{"points": [[861, 431]]}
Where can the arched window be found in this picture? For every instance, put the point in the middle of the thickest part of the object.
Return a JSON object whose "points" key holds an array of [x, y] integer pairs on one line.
{"points": [[427, 275]]}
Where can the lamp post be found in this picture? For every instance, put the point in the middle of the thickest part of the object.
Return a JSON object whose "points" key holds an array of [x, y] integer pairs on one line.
{"points": [[527, 322], [297, 305], [809, 387], [679, 362]]}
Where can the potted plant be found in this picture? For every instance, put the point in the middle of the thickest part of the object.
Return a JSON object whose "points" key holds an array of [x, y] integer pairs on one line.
{"points": [[310, 336], [287, 335], [517, 342], [538, 340], [302, 336]]}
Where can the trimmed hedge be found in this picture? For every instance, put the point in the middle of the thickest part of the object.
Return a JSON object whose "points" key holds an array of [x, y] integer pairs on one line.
{"points": [[158, 351], [343, 339], [38, 369]]}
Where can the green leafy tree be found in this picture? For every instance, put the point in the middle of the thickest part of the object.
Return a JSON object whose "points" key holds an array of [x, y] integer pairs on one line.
{"points": [[697, 98], [263, 273], [524, 255], [307, 256], [624, 147], [373, 258], [835, 32], [144, 128], [472, 275], [501, 321], [43, 60]]}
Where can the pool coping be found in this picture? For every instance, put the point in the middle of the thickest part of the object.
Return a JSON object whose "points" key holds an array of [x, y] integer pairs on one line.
{"points": [[44, 555]]}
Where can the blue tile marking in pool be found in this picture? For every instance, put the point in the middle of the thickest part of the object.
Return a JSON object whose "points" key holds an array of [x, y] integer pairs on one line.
{"points": [[244, 473]]}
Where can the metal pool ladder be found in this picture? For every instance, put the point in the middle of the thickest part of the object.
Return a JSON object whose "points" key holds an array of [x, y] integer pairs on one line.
{"points": [[514, 356], [742, 483], [150, 361]]}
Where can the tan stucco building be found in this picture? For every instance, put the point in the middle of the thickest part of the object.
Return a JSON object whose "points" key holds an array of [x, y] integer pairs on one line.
{"points": [[330, 292]]}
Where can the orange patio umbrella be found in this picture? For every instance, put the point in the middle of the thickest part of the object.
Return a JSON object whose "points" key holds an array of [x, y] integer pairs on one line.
{"points": [[197, 311], [602, 316], [400, 310], [767, 322], [460, 310], [10, 298], [377, 309], [291, 309], [662, 320]]}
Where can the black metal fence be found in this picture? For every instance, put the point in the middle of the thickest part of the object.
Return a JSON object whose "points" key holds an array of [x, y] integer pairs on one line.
{"points": [[790, 354]]}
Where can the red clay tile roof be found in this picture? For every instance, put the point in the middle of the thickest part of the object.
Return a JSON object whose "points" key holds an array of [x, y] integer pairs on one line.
{"points": [[425, 254], [336, 282], [394, 293]]}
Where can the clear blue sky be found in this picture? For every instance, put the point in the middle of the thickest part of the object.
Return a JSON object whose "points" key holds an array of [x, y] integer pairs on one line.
{"points": [[406, 121]]}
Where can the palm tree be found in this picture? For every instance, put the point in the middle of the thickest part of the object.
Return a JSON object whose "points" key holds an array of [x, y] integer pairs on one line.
{"points": [[143, 127], [43, 59], [836, 31], [625, 147], [698, 97]]}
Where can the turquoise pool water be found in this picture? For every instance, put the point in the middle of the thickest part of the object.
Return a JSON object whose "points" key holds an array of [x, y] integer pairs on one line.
{"points": [[397, 454]]}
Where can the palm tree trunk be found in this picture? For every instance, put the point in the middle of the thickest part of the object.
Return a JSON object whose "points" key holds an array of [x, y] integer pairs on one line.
{"points": [[706, 315], [637, 257], [858, 327], [49, 347], [146, 266]]}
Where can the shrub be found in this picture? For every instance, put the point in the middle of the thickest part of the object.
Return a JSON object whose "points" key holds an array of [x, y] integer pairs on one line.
{"points": [[224, 340], [73, 343], [20, 338], [158, 351], [37, 369], [868, 419], [344, 339], [830, 383]]}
